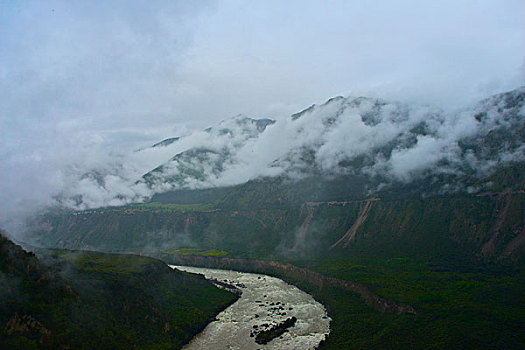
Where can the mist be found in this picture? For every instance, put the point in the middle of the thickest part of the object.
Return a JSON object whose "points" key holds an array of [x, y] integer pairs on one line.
{"points": [[84, 85]]}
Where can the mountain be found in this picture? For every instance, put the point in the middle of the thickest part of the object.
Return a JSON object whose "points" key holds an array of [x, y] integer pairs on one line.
{"points": [[206, 161], [298, 184], [386, 142], [421, 206], [166, 142], [69, 299], [378, 145]]}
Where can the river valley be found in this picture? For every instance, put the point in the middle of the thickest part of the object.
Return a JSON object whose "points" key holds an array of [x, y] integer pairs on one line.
{"points": [[265, 302]]}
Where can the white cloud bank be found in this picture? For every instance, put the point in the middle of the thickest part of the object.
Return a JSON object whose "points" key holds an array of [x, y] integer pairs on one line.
{"points": [[394, 141], [84, 83]]}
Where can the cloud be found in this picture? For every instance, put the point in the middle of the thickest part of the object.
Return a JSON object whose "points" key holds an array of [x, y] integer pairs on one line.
{"points": [[394, 141], [389, 140], [83, 84]]}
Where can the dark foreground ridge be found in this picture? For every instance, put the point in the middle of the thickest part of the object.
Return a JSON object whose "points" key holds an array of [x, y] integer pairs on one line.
{"points": [[66, 299]]}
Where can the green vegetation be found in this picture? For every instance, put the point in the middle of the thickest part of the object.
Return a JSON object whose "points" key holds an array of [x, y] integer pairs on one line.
{"points": [[198, 252], [178, 207], [458, 260], [480, 309], [440, 229], [86, 300], [463, 307]]}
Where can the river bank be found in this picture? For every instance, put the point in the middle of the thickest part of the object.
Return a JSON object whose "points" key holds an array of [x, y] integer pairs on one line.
{"points": [[265, 302], [293, 274]]}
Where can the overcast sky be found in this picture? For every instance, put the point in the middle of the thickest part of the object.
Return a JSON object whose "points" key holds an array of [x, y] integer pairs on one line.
{"points": [[90, 79]]}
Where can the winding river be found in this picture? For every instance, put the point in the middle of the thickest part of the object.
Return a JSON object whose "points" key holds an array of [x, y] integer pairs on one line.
{"points": [[265, 302]]}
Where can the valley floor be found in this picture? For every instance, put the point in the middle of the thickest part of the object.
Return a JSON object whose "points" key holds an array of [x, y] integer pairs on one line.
{"points": [[452, 308]]}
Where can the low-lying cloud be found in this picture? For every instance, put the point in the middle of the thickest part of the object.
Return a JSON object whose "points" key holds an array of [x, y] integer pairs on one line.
{"points": [[391, 140], [83, 84]]}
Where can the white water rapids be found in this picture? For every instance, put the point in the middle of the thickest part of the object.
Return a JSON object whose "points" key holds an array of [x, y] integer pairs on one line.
{"points": [[265, 301]]}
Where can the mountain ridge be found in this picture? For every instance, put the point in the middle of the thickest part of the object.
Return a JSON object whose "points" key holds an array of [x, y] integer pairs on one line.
{"points": [[495, 126], [389, 144]]}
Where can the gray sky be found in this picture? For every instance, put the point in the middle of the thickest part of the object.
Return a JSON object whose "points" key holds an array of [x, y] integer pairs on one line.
{"points": [[91, 79]]}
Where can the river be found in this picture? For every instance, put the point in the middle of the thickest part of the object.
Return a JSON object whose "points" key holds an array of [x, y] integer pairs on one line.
{"points": [[265, 301]]}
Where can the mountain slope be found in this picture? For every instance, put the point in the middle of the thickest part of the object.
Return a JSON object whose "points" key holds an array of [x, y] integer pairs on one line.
{"points": [[421, 206], [87, 300], [377, 144], [204, 163], [472, 229], [383, 141], [347, 150]]}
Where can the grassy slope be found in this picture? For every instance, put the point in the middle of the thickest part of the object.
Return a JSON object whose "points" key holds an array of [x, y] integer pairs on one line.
{"points": [[95, 300]]}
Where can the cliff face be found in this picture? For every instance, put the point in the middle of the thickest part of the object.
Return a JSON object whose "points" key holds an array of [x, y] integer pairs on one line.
{"points": [[482, 227]]}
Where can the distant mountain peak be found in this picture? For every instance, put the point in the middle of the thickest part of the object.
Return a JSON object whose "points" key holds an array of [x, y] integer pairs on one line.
{"points": [[381, 141], [364, 135], [166, 142]]}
